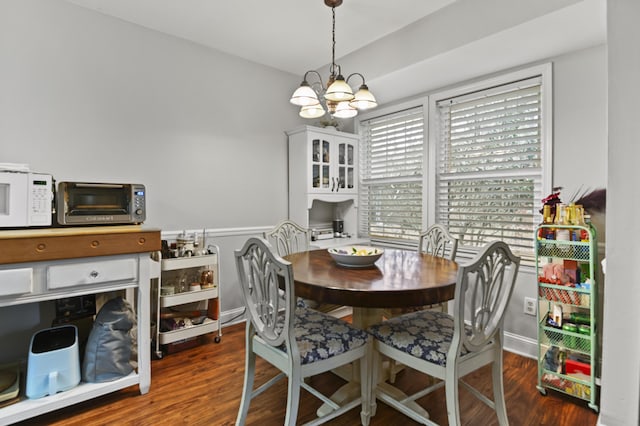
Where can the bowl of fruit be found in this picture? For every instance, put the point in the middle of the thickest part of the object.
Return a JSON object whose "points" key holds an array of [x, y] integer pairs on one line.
{"points": [[356, 256]]}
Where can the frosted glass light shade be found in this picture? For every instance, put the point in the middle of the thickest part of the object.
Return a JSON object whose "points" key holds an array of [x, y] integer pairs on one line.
{"points": [[312, 111], [304, 95], [344, 110], [339, 90], [363, 99]]}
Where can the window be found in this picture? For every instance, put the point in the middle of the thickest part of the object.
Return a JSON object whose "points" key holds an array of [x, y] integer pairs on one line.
{"points": [[482, 172], [491, 151], [391, 176]]}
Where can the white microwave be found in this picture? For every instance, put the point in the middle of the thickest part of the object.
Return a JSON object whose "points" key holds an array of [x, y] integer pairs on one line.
{"points": [[25, 199]]}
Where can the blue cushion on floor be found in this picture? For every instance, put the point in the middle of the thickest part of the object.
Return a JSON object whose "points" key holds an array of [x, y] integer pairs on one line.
{"points": [[425, 335]]}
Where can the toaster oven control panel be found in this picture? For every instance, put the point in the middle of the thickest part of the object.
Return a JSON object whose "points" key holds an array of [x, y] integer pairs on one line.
{"points": [[138, 202]]}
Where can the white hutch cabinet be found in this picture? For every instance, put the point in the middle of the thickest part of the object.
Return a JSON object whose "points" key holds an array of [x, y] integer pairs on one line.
{"points": [[323, 177], [324, 160]]}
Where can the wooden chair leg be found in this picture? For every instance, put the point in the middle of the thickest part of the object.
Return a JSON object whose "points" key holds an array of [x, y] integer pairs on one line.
{"points": [[247, 390], [293, 398], [394, 368], [451, 393], [365, 387], [498, 390], [375, 358]]}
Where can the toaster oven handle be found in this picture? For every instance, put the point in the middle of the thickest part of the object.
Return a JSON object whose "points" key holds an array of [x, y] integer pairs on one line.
{"points": [[99, 185]]}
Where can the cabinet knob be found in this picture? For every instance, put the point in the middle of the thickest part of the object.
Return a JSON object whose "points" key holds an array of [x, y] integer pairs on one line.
{"points": [[93, 274]]}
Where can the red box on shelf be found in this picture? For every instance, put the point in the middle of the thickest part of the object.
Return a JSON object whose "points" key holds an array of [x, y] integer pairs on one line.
{"points": [[572, 270], [573, 367]]}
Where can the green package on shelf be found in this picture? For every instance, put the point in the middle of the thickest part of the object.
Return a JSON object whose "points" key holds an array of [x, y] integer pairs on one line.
{"points": [[586, 331], [570, 342], [580, 318]]}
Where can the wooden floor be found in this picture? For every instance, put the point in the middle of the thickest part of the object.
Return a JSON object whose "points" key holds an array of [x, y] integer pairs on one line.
{"points": [[202, 386]]}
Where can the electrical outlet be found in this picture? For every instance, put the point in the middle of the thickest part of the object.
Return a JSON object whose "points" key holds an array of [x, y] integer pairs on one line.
{"points": [[529, 305]]}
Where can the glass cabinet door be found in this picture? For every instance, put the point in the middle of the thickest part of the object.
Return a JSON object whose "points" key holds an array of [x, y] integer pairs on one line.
{"points": [[320, 153], [326, 162], [350, 163], [332, 164], [346, 166]]}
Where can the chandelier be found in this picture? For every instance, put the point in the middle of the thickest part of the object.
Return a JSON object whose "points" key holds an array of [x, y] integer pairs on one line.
{"points": [[337, 96]]}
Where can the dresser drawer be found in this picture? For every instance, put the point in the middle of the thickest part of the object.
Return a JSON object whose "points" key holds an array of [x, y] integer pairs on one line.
{"points": [[16, 281], [96, 272]]}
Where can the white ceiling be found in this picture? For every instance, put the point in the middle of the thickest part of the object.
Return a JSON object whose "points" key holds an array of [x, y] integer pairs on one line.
{"points": [[290, 35], [295, 35]]}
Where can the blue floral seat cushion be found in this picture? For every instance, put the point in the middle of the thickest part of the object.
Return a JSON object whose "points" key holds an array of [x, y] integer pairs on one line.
{"points": [[425, 334], [321, 336]]}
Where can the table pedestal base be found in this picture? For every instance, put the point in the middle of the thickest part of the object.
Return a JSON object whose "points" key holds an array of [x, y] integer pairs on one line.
{"points": [[351, 391], [363, 318]]}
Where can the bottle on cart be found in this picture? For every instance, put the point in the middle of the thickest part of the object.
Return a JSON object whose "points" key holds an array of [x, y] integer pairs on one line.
{"points": [[562, 232], [547, 233], [581, 234]]}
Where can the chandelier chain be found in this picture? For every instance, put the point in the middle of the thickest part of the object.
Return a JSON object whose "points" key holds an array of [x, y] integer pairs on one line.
{"points": [[333, 39]]}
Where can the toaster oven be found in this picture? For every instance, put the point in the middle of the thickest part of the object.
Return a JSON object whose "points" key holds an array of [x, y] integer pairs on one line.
{"points": [[84, 203]]}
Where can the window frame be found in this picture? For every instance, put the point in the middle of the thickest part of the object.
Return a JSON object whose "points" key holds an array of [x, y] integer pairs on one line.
{"points": [[418, 102], [544, 72], [430, 155]]}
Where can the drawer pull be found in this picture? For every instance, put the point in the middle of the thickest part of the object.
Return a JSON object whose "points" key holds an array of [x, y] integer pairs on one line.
{"points": [[94, 274]]}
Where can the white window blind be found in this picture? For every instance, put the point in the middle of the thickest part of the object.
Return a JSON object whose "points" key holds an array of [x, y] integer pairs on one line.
{"points": [[391, 157], [489, 179]]}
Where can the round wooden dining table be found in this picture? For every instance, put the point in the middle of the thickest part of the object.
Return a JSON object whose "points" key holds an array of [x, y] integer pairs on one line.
{"points": [[400, 278]]}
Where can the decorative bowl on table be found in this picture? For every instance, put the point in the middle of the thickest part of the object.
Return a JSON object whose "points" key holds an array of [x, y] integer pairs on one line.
{"points": [[356, 256]]}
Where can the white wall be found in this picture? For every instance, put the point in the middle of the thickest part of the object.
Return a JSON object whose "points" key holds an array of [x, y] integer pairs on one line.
{"points": [[88, 97], [620, 399]]}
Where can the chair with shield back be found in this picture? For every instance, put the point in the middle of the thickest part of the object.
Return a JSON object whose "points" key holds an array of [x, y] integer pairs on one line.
{"points": [[288, 237], [436, 241], [448, 347], [298, 341]]}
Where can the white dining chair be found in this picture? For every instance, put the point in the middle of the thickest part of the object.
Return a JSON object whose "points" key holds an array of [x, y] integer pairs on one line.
{"points": [[448, 347], [288, 237], [300, 342], [436, 241]]}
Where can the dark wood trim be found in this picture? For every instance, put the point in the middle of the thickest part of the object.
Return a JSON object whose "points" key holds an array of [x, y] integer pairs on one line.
{"points": [[53, 244]]}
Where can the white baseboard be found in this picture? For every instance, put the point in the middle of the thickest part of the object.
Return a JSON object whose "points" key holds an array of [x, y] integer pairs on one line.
{"points": [[521, 345], [233, 316]]}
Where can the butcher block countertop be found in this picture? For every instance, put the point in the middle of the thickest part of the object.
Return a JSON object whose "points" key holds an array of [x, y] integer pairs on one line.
{"points": [[35, 245]]}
